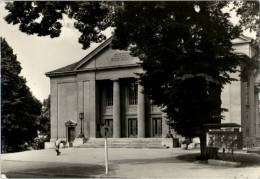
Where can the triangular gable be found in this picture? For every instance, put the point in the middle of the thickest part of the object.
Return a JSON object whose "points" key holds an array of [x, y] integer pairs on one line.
{"points": [[108, 57], [93, 53], [241, 40]]}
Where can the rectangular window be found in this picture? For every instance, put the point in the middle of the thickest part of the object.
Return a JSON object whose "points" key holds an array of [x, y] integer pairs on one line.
{"points": [[247, 93], [259, 100], [109, 96], [156, 127], [132, 93], [132, 127]]}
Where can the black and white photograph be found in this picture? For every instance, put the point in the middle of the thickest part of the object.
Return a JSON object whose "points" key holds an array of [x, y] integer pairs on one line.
{"points": [[130, 89]]}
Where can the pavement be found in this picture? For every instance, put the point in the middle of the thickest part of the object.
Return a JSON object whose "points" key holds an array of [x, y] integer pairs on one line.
{"points": [[123, 163]]}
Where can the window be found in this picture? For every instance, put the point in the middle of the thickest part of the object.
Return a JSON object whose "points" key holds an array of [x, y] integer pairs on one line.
{"points": [[247, 93], [259, 100], [156, 127], [132, 93], [132, 127], [109, 96]]}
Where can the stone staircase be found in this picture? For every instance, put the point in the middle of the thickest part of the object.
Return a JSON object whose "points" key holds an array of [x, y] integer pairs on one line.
{"points": [[124, 143]]}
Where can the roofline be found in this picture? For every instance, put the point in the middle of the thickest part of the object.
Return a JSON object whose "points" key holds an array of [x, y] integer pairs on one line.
{"points": [[91, 69], [106, 43], [85, 58], [246, 40], [239, 43], [94, 52], [51, 74]]}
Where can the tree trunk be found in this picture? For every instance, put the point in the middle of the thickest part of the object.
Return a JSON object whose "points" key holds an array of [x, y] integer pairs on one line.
{"points": [[203, 151]]}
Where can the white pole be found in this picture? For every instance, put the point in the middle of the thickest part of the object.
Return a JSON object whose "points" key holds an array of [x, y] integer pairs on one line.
{"points": [[106, 156]]}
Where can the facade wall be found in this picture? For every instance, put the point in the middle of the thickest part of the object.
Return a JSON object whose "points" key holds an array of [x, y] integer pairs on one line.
{"points": [[257, 102], [63, 105], [231, 100], [240, 100], [74, 95], [67, 105], [54, 109]]}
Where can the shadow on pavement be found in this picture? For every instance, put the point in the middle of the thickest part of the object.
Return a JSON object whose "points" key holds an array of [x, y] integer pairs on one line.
{"points": [[148, 161], [59, 170], [246, 160]]}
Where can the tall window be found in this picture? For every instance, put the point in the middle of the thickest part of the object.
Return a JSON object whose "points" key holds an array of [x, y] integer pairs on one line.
{"points": [[247, 93], [259, 100], [157, 127], [109, 96], [132, 93]]}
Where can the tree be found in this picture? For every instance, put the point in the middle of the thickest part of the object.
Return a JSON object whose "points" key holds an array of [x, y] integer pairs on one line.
{"points": [[44, 119], [185, 49], [187, 56], [249, 14], [19, 108], [42, 18]]}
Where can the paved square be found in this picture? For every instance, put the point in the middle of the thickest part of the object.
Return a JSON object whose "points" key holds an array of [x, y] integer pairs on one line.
{"points": [[123, 162]]}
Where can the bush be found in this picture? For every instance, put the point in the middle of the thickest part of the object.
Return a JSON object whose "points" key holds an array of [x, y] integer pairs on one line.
{"points": [[39, 142]]}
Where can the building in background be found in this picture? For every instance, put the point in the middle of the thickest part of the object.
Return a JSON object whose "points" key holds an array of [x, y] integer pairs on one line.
{"points": [[103, 88]]}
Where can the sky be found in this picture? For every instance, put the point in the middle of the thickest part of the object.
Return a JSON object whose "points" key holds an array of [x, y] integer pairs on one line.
{"points": [[39, 55]]}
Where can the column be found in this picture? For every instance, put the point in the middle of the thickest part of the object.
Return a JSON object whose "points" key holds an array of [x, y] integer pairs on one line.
{"points": [[165, 127], [116, 109], [252, 117], [140, 112]]}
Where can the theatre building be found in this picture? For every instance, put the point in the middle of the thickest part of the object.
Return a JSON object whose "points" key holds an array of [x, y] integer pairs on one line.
{"points": [[103, 89]]}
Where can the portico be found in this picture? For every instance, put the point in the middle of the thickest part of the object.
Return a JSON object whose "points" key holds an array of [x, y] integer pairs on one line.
{"points": [[123, 107]]}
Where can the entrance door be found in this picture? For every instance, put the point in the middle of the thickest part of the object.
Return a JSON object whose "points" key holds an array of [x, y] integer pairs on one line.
{"points": [[109, 123], [132, 127], [71, 134], [156, 127]]}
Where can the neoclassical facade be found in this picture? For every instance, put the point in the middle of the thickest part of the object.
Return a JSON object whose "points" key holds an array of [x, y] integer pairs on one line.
{"points": [[103, 89]]}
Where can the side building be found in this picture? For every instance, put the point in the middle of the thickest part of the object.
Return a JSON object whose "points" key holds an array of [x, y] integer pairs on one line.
{"points": [[103, 88]]}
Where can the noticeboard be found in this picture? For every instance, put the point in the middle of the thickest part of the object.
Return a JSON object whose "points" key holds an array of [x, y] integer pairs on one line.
{"points": [[224, 139]]}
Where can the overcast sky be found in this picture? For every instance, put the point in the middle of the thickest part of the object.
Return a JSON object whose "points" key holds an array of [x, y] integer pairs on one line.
{"points": [[39, 55]]}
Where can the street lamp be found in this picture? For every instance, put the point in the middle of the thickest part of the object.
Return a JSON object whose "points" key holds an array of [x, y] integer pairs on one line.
{"points": [[81, 117]]}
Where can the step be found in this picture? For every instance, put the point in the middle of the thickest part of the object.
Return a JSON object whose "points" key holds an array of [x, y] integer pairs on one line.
{"points": [[124, 143], [254, 150]]}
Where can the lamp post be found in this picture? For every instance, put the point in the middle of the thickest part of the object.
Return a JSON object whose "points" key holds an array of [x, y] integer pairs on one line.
{"points": [[81, 117]]}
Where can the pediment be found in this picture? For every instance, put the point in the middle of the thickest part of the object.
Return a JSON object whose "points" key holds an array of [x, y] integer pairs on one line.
{"points": [[109, 57], [241, 39]]}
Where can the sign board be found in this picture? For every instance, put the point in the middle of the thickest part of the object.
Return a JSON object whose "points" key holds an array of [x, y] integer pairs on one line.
{"points": [[224, 139], [105, 131]]}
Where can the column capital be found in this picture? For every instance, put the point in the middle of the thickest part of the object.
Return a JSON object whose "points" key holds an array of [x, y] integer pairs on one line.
{"points": [[114, 79], [138, 80]]}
